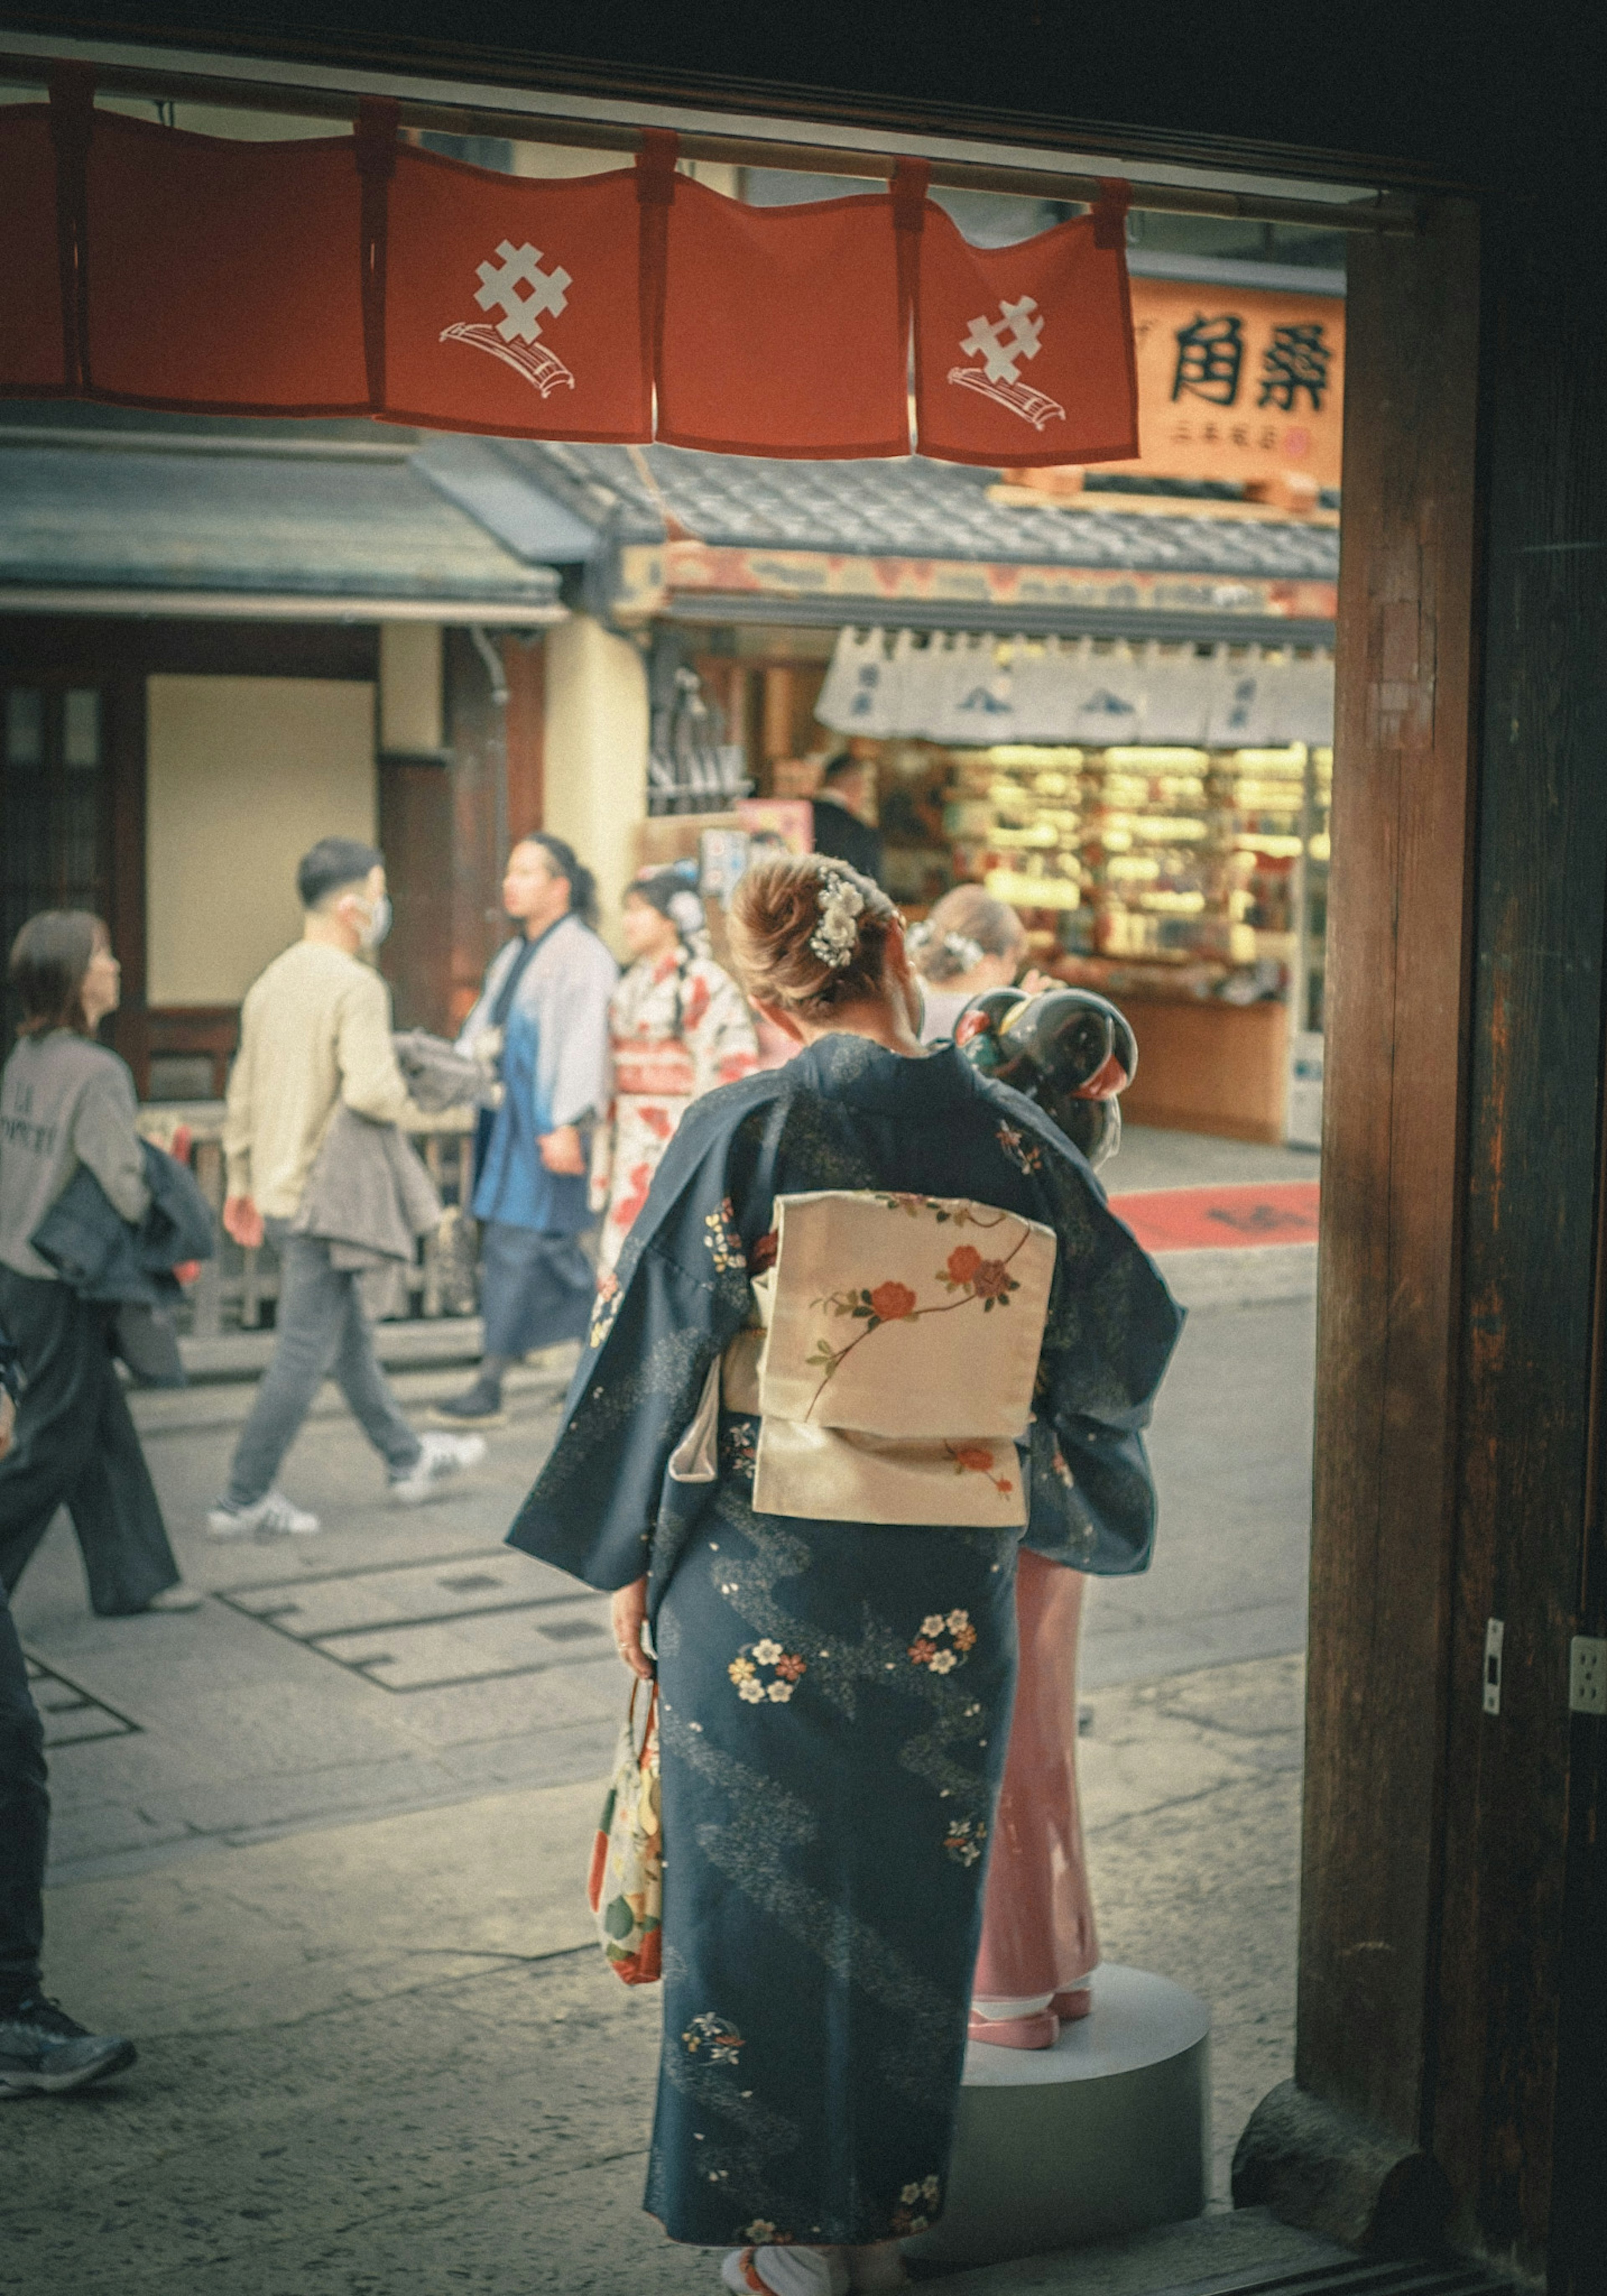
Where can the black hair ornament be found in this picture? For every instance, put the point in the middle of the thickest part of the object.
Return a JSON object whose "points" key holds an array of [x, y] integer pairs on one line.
{"points": [[1068, 1049]]}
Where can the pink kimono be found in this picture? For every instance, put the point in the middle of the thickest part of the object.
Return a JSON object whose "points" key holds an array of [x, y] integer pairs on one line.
{"points": [[1039, 1946]]}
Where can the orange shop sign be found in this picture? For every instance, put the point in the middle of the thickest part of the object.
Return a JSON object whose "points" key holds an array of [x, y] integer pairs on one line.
{"points": [[1236, 382]]}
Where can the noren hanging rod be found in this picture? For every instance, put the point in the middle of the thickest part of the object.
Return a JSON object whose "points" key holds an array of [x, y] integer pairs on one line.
{"points": [[306, 93]]}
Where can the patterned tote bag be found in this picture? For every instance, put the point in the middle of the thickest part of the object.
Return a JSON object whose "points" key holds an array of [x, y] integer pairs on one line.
{"points": [[625, 1888]]}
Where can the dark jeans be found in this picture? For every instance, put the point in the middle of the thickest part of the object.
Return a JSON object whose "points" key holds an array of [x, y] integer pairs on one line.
{"points": [[320, 1328], [24, 1819], [76, 1447]]}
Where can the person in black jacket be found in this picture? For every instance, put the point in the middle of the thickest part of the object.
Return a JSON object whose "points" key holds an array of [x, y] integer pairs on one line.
{"points": [[67, 1103], [841, 831], [41, 2048]]}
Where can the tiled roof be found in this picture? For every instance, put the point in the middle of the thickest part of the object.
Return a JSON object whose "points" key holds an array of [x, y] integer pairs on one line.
{"points": [[320, 517], [907, 509]]}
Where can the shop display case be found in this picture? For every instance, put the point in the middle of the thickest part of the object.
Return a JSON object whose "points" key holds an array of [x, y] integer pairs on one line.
{"points": [[1188, 883]]}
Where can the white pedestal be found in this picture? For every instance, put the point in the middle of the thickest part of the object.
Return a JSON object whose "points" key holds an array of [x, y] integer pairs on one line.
{"points": [[1104, 2134]]}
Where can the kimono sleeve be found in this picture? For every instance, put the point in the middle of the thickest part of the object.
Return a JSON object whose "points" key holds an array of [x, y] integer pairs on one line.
{"points": [[1111, 1328], [576, 1062], [719, 1030], [680, 1294]]}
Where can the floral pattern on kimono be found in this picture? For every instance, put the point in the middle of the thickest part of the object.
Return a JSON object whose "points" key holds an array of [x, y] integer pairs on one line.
{"points": [[679, 1025], [834, 1696]]}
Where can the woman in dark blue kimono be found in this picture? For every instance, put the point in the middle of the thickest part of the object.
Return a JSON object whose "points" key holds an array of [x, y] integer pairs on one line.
{"points": [[835, 1694]]}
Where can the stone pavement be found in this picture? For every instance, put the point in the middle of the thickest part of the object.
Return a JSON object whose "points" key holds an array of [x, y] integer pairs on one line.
{"points": [[407, 1657], [319, 1848], [387, 2055]]}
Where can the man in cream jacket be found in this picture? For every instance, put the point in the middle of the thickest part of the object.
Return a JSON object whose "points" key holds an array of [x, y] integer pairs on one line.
{"points": [[315, 1030]]}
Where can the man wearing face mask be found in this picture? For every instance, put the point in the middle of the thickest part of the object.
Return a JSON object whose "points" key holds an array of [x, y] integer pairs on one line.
{"points": [[315, 1030]]}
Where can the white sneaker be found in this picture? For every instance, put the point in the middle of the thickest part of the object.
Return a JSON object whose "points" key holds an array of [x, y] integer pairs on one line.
{"points": [[176, 1598], [272, 1516], [440, 1458]]}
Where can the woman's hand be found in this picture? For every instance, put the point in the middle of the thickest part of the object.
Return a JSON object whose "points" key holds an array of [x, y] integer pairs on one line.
{"points": [[628, 1612], [561, 1151], [244, 1223]]}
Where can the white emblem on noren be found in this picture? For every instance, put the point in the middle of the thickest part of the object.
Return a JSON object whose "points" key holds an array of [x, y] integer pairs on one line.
{"points": [[1003, 344], [516, 285]]}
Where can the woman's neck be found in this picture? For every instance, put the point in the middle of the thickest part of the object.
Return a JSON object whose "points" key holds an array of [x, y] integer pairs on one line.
{"points": [[879, 1022]]}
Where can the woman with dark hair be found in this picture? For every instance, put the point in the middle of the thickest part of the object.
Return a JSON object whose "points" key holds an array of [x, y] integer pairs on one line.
{"points": [[873, 1328], [679, 1025], [65, 1102], [543, 1023]]}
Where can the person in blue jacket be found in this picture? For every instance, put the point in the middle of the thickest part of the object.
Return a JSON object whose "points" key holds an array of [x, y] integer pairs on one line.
{"points": [[542, 1020]]}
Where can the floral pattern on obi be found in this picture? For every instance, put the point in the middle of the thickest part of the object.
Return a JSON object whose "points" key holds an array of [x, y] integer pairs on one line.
{"points": [[881, 1398], [967, 1276]]}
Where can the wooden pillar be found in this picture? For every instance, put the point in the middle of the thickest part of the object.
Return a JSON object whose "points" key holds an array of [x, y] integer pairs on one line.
{"points": [[1385, 1464], [1519, 2100], [1452, 2050]]}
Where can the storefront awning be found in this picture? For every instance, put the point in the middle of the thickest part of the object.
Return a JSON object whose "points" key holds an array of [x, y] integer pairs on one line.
{"points": [[976, 690], [168, 520]]}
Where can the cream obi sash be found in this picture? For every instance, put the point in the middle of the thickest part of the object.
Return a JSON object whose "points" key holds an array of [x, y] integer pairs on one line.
{"points": [[893, 1361]]}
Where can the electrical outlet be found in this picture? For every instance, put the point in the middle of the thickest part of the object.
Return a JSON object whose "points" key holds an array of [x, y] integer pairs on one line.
{"points": [[1587, 1675], [1494, 1634]]}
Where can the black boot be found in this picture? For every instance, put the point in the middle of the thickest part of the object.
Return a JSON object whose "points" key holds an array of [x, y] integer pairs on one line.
{"points": [[481, 1405], [43, 2052]]}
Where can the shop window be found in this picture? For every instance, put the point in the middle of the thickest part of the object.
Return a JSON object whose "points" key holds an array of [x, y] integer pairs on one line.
{"points": [[81, 729], [24, 727], [52, 802]]}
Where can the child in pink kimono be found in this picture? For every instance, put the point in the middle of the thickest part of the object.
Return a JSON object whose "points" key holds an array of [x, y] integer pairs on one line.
{"points": [[1039, 1945]]}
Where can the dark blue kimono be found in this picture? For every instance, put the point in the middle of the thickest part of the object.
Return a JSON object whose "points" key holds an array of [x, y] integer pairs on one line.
{"points": [[834, 1697]]}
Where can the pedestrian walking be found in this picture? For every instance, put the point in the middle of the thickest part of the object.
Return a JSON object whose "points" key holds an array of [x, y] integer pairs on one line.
{"points": [[542, 1019], [678, 1025], [41, 2049], [68, 1103], [315, 1041], [878, 1326], [841, 807]]}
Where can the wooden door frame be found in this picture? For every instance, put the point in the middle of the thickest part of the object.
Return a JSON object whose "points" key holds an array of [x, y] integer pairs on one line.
{"points": [[1433, 1324]]}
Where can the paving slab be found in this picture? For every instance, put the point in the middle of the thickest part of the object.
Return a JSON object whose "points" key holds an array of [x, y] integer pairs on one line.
{"points": [[387, 2054]]}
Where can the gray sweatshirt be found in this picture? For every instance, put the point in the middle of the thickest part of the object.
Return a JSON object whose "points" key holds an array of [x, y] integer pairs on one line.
{"points": [[63, 1101]]}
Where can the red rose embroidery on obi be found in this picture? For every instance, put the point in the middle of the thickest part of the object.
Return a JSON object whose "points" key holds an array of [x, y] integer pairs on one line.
{"points": [[891, 1302], [763, 1255], [966, 1276], [977, 1459]]}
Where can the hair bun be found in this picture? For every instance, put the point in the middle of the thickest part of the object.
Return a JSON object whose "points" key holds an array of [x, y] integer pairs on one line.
{"points": [[810, 932]]}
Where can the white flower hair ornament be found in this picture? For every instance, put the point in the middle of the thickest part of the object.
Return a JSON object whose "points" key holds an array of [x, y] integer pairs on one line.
{"points": [[841, 905], [685, 913]]}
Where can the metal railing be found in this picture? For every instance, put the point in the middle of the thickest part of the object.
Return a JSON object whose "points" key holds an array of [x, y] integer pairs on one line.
{"points": [[231, 1289]]}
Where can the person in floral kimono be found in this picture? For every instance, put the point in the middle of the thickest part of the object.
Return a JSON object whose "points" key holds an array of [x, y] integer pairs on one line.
{"points": [[679, 1025], [835, 1661]]}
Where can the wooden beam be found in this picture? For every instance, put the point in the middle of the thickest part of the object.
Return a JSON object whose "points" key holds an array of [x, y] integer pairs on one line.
{"points": [[1398, 969]]}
